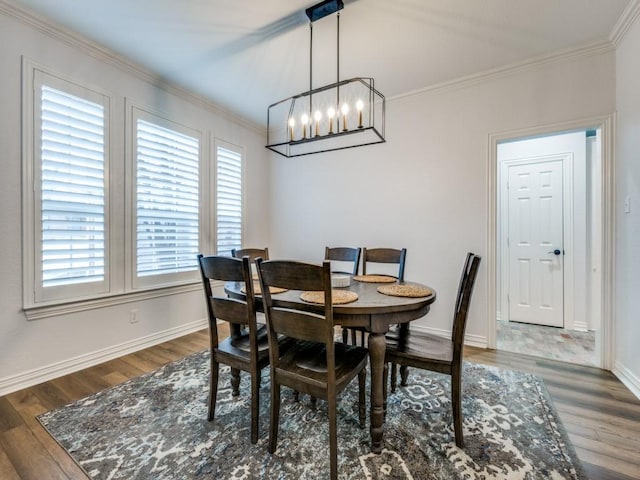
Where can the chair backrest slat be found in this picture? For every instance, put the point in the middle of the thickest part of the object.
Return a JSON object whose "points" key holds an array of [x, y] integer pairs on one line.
{"points": [[252, 253]]}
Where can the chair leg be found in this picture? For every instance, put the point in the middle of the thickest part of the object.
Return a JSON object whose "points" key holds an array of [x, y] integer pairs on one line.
{"points": [[354, 340], [255, 406], [274, 418], [235, 382], [362, 409], [394, 374], [345, 335], [385, 379], [333, 438], [456, 405], [213, 388], [404, 375]]}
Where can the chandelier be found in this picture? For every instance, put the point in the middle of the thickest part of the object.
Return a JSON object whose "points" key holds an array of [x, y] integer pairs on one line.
{"points": [[345, 114]]}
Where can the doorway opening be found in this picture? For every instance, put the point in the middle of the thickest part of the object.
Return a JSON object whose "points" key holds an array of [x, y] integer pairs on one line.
{"points": [[549, 245]]}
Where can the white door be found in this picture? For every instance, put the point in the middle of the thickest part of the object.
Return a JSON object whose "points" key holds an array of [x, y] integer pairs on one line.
{"points": [[535, 242]]}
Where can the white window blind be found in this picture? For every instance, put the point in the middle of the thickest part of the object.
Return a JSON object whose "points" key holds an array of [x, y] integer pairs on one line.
{"points": [[72, 189], [228, 200], [167, 200]]}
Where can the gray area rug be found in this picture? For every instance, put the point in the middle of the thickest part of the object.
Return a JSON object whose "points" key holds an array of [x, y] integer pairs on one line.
{"points": [[155, 427]]}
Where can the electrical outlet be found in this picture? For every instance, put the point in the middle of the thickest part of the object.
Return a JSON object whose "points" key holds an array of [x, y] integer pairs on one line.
{"points": [[133, 316]]}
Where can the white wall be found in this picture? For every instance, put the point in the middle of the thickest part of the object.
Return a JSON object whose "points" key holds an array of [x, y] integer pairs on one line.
{"points": [[627, 312], [31, 351], [426, 188]]}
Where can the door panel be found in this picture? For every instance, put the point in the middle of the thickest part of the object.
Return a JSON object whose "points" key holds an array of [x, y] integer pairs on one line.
{"points": [[535, 230]]}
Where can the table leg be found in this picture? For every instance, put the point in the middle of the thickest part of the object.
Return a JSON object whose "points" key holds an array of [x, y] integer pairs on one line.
{"points": [[377, 346]]}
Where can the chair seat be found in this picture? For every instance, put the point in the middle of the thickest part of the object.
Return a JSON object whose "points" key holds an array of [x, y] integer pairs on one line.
{"points": [[419, 347], [241, 347], [304, 367]]}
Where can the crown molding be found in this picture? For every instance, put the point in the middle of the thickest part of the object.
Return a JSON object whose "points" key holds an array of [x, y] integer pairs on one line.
{"points": [[487, 75], [95, 50], [624, 23]]}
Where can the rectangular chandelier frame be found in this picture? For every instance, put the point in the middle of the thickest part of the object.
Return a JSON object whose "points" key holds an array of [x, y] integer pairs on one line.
{"points": [[346, 114]]}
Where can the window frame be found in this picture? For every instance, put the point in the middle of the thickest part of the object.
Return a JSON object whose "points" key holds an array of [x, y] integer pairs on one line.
{"points": [[135, 282], [219, 143], [34, 293]]}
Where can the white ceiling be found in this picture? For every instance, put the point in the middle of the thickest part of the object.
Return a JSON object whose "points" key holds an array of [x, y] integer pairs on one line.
{"points": [[246, 54]]}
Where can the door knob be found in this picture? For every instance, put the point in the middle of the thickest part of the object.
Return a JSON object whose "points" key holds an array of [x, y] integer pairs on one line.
{"points": [[556, 251]]}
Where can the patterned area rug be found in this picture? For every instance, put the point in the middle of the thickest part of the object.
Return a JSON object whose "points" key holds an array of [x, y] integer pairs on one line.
{"points": [[155, 427]]}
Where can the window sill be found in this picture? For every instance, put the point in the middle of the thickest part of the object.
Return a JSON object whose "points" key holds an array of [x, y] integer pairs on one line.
{"points": [[46, 311]]}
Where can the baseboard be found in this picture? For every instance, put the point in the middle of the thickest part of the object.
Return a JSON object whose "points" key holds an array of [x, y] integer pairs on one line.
{"points": [[39, 375], [627, 378], [471, 340], [580, 326]]}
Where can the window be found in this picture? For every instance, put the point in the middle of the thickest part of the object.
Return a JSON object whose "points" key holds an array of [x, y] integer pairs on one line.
{"points": [[106, 222], [228, 200], [69, 237], [167, 201]]}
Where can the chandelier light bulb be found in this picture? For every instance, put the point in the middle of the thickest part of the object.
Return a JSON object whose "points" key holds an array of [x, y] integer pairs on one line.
{"points": [[305, 120]]}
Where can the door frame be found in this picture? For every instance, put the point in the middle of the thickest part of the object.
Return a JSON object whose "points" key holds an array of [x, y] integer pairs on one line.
{"points": [[606, 125], [567, 232]]}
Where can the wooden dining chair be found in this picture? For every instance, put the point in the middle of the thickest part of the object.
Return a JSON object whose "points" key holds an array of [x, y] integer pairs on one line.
{"points": [[315, 364], [439, 354], [252, 253], [372, 258], [247, 348], [344, 254], [383, 255]]}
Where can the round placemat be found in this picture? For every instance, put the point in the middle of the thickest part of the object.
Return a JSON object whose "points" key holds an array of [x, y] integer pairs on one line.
{"points": [[338, 297], [413, 291], [257, 290], [375, 278]]}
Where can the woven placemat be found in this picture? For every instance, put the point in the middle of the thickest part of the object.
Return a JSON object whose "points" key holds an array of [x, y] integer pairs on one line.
{"points": [[257, 290], [375, 278], [338, 297], [413, 291]]}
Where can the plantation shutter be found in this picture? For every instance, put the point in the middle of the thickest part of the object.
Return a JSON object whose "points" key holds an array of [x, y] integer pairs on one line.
{"points": [[167, 200], [72, 188], [228, 201]]}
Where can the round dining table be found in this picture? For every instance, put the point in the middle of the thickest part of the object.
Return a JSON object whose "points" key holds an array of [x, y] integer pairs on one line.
{"points": [[375, 313]]}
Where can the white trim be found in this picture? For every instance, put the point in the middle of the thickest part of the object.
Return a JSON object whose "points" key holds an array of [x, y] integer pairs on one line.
{"points": [[471, 340], [55, 370], [607, 126], [625, 22], [103, 54], [627, 377], [481, 77], [53, 310]]}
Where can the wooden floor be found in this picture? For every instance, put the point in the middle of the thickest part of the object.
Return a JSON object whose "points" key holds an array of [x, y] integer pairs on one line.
{"points": [[600, 414]]}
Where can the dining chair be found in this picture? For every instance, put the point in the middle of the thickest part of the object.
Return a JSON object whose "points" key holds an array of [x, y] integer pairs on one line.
{"points": [[383, 255], [247, 347], [344, 254], [373, 258], [438, 354], [315, 364], [252, 253]]}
